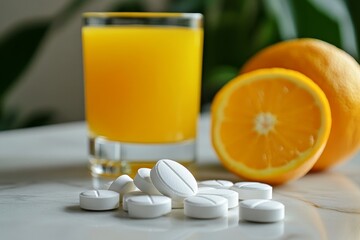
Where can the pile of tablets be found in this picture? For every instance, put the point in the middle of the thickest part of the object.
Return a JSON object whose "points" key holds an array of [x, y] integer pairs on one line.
{"points": [[168, 185]]}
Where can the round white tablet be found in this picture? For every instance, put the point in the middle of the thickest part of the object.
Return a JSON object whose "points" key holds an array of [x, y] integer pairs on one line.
{"points": [[148, 206], [127, 196], [216, 183], [261, 210], [122, 185], [173, 179], [99, 200], [205, 207], [143, 181], [252, 190], [230, 195]]}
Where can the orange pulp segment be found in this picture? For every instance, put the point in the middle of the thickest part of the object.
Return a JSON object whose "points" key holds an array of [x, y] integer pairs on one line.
{"points": [[270, 125]]}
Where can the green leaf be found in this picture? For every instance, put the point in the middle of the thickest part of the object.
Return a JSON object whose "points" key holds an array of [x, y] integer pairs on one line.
{"points": [[218, 77], [129, 6], [9, 119], [281, 12], [329, 22], [316, 19], [239, 29], [354, 6], [312, 22], [189, 5], [265, 34], [17, 48]]}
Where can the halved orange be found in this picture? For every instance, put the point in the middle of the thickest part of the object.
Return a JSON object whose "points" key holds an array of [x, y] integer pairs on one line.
{"points": [[270, 125]]}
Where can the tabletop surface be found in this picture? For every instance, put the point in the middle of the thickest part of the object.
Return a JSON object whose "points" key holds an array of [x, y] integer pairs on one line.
{"points": [[43, 170]]}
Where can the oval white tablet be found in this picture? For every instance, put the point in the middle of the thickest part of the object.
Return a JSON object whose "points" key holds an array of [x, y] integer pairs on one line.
{"points": [[127, 196], [216, 183], [200, 189], [122, 185], [99, 200], [230, 195], [205, 207], [148, 206], [252, 190], [143, 181], [173, 179], [261, 210]]}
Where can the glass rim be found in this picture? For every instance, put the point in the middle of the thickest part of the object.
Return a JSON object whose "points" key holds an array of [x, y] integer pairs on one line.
{"points": [[193, 16]]}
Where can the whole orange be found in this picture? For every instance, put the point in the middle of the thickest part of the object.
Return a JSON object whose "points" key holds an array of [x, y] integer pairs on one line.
{"points": [[337, 74]]}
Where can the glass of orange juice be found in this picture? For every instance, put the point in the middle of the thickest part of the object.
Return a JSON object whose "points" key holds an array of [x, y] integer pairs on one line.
{"points": [[142, 75]]}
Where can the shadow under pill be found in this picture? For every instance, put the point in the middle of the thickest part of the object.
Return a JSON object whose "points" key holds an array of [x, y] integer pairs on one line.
{"points": [[78, 209], [73, 209], [121, 214], [262, 230], [177, 214], [161, 224]]}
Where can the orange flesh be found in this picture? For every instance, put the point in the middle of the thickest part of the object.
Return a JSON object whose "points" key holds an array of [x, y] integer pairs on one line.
{"points": [[268, 123]]}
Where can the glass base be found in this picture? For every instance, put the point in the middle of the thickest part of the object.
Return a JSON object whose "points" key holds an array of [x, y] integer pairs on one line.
{"points": [[112, 159]]}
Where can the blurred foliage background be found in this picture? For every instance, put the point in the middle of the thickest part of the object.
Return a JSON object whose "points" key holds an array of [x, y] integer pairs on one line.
{"points": [[234, 31]]}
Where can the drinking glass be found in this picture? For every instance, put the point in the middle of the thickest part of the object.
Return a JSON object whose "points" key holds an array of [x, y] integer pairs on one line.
{"points": [[142, 74]]}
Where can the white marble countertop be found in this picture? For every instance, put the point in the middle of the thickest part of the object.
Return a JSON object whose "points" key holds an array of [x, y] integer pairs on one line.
{"points": [[43, 170]]}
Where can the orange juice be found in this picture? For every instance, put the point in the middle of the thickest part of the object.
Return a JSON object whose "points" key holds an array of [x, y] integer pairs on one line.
{"points": [[142, 83]]}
